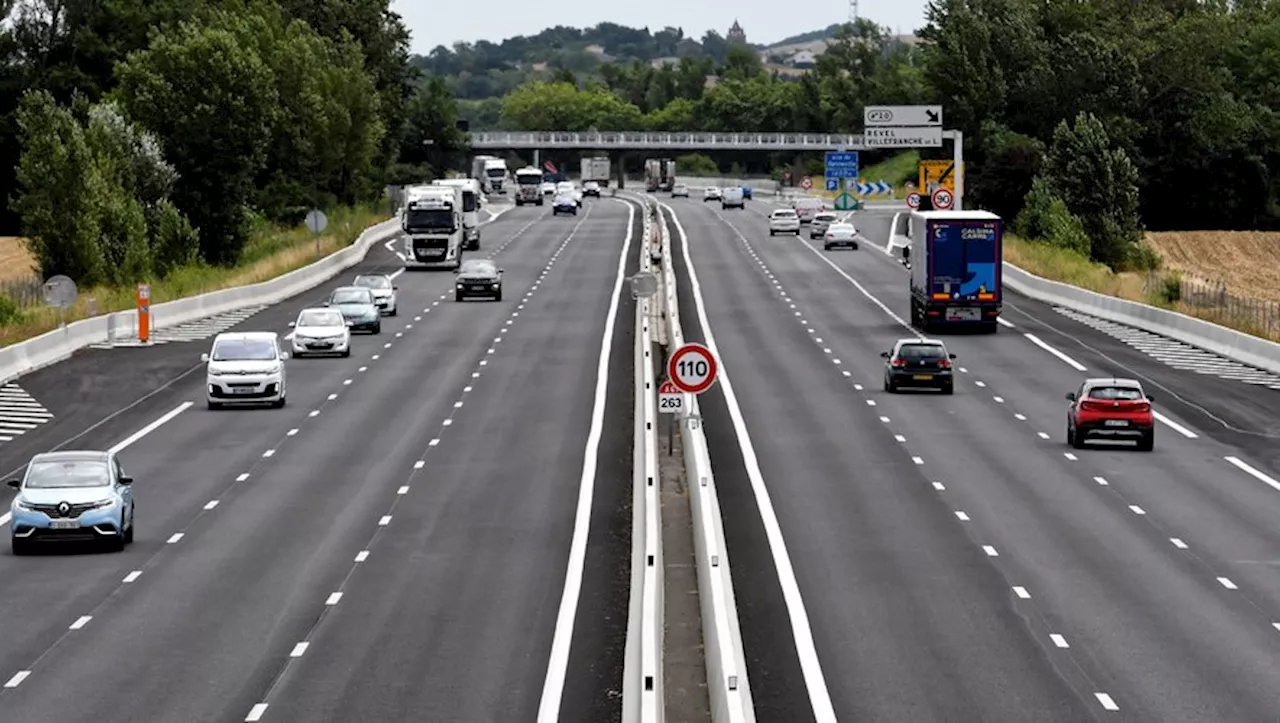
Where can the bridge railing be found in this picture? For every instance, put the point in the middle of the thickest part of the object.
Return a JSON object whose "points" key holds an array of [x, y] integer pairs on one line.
{"points": [[633, 140]]}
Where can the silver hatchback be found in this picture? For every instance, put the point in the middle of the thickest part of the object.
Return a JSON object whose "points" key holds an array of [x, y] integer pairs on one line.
{"points": [[820, 222]]}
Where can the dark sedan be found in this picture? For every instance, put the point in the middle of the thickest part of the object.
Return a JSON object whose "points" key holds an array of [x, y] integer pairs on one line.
{"points": [[358, 307], [478, 278], [918, 363]]}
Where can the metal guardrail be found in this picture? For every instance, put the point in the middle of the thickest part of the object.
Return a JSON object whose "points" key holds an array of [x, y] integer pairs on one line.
{"points": [[634, 140], [727, 687]]}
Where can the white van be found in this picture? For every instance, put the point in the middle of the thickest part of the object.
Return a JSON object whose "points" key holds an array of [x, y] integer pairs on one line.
{"points": [[807, 208], [732, 198]]}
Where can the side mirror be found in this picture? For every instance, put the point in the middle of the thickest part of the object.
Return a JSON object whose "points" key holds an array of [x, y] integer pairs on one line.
{"points": [[395, 288], [1071, 396], [501, 271], [884, 355], [15, 483], [126, 480], [204, 358], [953, 356], [293, 324]]}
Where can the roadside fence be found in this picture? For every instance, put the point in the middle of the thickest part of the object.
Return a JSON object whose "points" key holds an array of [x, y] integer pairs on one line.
{"points": [[1210, 300], [25, 291]]}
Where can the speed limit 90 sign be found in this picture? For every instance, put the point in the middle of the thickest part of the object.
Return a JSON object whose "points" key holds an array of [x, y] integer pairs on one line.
{"points": [[692, 368]]}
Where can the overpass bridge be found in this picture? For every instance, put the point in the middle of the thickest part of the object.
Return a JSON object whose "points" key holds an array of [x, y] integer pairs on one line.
{"points": [[662, 141]]}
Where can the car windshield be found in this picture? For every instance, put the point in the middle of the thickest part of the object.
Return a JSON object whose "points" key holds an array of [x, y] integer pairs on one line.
{"points": [[922, 351], [244, 350], [320, 318], [1116, 393], [373, 282], [478, 267], [351, 296], [68, 473]]}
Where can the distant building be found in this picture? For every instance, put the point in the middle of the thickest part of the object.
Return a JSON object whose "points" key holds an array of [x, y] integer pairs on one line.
{"points": [[736, 34], [802, 60]]}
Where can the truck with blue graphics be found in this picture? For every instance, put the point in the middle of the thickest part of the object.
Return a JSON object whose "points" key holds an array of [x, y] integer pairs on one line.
{"points": [[956, 269]]}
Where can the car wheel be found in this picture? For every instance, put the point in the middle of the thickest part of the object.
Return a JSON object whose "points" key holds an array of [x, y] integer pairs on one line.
{"points": [[949, 388], [1147, 443], [393, 312], [214, 406], [346, 353], [1077, 439], [128, 533], [1071, 435], [497, 296], [772, 232], [826, 247], [377, 328], [457, 296], [21, 547], [854, 246], [115, 544]]}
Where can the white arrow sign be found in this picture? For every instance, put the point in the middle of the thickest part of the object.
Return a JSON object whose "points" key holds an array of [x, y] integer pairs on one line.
{"points": [[902, 115], [902, 137]]}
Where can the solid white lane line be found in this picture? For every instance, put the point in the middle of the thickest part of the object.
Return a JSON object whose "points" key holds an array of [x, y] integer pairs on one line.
{"points": [[558, 662], [255, 713], [1058, 640], [82, 621], [806, 649], [1247, 469], [132, 576], [1106, 701], [1226, 582], [1071, 362], [128, 441], [1175, 426], [299, 649]]}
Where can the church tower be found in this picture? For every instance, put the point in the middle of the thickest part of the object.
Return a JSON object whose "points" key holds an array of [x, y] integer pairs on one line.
{"points": [[736, 34]]}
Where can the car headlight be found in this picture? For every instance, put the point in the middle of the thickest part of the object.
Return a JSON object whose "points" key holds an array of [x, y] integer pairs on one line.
{"points": [[112, 502], [22, 504], [273, 369]]}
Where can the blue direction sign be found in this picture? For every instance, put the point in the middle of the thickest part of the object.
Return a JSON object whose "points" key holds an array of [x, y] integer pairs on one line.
{"points": [[833, 184], [842, 165]]}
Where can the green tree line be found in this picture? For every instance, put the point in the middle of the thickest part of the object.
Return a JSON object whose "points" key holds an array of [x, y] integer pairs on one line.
{"points": [[140, 137], [1100, 118]]}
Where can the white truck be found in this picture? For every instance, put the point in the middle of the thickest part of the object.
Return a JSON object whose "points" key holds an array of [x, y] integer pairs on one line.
{"points": [[470, 208], [596, 169], [491, 172], [529, 186], [432, 223]]}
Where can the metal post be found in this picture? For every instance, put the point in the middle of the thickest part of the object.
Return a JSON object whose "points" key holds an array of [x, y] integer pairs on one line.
{"points": [[958, 159], [671, 425]]}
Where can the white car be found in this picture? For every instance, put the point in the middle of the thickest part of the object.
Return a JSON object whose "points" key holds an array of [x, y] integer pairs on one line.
{"points": [[566, 187], [548, 188], [784, 221], [732, 198], [245, 367], [840, 234], [821, 220], [384, 291], [807, 208], [711, 194], [679, 191], [591, 188], [320, 331]]}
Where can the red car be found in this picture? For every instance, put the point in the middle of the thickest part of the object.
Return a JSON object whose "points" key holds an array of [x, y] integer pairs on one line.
{"points": [[1114, 409]]}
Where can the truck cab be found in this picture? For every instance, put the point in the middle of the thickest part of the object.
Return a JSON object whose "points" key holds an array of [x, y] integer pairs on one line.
{"points": [[529, 186], [495, 172], [470, 208], [956, 263], [432, 223]]}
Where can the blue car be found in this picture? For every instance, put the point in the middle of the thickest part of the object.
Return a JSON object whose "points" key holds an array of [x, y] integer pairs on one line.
{"points": [[746, 192], [72, 497]]}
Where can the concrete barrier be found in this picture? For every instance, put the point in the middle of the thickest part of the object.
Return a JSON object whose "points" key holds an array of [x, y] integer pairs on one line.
{"points": [[54, 346]]}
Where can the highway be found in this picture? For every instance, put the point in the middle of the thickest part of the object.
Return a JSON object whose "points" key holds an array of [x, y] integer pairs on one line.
{"points": [[929, 558], [433, 529]]}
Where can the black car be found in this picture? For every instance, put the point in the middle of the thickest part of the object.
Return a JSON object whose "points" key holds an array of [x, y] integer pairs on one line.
{"points": [[922, 363], [478, 277]]}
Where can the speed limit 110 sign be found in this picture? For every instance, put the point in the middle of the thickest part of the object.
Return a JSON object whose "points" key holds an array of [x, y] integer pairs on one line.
{"points": [[692, 368]]}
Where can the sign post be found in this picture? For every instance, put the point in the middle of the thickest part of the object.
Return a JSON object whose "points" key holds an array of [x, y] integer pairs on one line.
{"points": [[317, 222], [691, 369], [670, 402], [143, 301]]}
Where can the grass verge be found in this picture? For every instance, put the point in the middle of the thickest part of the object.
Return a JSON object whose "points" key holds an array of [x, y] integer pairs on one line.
{"points": [[271, 251], [1165, 288]]}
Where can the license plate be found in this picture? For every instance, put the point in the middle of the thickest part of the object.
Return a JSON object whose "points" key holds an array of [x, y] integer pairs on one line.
{"points": [[478, 287], [242, 390], [65, 524], [1117, 423], [923, 377], [962, 314]]}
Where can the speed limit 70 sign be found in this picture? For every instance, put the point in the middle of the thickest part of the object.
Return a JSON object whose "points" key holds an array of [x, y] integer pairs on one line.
{"points": [[692, 368]]}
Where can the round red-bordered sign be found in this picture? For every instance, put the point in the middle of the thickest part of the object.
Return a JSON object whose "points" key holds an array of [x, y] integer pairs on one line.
{"points": [[913, 200], [942, 199], [806, 183], [692, 368]]}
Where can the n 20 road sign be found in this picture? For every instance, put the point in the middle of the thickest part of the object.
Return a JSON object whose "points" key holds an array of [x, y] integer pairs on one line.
{"points": [[670, 398], [913, 200], [692, 368]]}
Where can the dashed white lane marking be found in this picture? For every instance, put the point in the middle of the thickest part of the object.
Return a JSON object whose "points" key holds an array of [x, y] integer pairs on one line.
{"points": [[175, 537], [269, 453], [1106, 701], [1226, 582], [17, 679], [991, 551], [256, 712], [999, 400], [1021, 592], [1178, 543], [80, 622], [333, 599], [939, 486], [1249, 470], [1070, 362], [1177, 354], [404, 490], [1058, 640], [299, 650], [963, 517], [1101, 480], [1042, 435], [1137, 510], [1070, 456], [917, 460], [210, 504], [979, 384], [384, 521], [362, 556], [900, 438], [1276, 626], [1175, 426], [422, 463], [132, 576], [242, 477], [1020, 417], [1005, 323], [292, 432]]}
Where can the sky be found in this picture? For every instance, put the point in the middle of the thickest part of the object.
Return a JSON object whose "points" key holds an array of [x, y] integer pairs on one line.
{"points": [[433, 22]]}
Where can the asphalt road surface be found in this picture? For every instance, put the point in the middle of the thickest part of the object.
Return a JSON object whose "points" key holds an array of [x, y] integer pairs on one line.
{"points": [[392, 545], [954, 559]]}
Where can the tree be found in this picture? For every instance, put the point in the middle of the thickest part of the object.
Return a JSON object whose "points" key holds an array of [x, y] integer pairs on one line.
{"points": [[1099, 185], [213, 104], [432, 138], [543, 106]]}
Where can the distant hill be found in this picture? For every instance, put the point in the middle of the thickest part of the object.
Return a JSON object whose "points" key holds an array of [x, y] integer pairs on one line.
{"points": [[487, 69]]}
